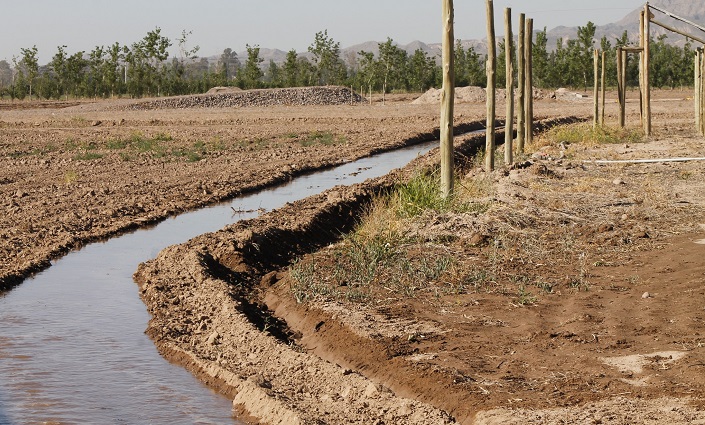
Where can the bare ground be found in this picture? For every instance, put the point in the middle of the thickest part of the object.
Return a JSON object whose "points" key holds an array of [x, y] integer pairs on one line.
{"points": [[591, 309]]}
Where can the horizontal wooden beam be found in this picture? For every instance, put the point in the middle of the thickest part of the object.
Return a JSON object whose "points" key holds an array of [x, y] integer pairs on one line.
{"points": [[677, 31], [665, 12], [633, 49]]}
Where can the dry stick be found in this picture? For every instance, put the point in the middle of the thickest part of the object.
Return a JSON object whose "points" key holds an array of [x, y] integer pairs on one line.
{"points": [[596, 92], [641, 161], [604, 71], [447, 100], [491, 87], [521, 89], [529, 81], [647, 79], [620, 87], [509, 118]]}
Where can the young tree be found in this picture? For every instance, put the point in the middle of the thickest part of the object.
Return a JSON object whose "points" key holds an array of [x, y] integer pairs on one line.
{"points": [[393, 64], [368, 75], [326, 56], [95, 84], [291, 69], [111, 69], [58, 65], [540, 59], [251, 75], [75, 70], [274, 76], [228, 65], [30, 65], [584, 48], [421, 71]]}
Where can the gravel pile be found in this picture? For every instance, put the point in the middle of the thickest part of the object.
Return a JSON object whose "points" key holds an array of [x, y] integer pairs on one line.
{"points": [[330, 95]]}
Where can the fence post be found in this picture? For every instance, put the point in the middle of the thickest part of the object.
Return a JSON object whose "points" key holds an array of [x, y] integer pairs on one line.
{"points": [[447, 101], [529, 80], [521, 83], [509, 117], [491, 87]]}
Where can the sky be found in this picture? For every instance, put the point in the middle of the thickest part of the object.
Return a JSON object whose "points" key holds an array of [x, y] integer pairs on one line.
{"points": [[282, 24]]}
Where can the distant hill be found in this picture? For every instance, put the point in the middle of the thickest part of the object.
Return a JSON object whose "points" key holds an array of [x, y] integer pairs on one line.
{"points": [[692, 10]]}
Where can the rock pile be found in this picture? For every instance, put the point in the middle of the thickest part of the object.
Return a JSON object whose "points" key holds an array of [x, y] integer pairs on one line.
{"points": [[303, 96]]}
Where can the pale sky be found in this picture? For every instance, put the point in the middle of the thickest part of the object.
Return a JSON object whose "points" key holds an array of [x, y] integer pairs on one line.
{"points": [[282, 24]]}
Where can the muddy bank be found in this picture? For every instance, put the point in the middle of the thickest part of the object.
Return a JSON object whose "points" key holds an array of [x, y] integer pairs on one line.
{"points": [[217, 309]]}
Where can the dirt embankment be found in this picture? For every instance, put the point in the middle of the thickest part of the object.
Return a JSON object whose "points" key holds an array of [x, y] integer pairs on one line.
{"points": [[591, 335]]}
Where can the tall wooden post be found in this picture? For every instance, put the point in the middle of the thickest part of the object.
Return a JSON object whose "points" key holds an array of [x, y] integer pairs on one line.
{"points": [[447, 101], [509, 59], [647, 62], [697, 91], [529, 80], [603, 89], [521, 85], [702, 92], [620, 87], [623, 116], [641, 67], [491, 87], [596, 93]]}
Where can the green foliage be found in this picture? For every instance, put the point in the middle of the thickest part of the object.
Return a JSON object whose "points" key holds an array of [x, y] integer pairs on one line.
{"points": [[144, 68], [469, 67], [330, 68], [250, 77]]}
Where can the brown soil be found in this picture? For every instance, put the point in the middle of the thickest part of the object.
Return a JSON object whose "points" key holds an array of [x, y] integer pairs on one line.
{"points": [[607, 327]]}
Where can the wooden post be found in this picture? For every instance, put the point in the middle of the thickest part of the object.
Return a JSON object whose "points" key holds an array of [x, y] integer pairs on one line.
{"points": [[521, 86], [509, 116], [647, 62], [491, 87], [641, 68], [447, 101], [623, 117], [596, 92], [702, 92], [696, 95], [603, 89], [529, 80], [620, 87]]}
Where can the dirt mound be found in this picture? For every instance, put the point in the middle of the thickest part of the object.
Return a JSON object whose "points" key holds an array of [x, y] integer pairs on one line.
{"points": [[469, 94], [304, 96]]}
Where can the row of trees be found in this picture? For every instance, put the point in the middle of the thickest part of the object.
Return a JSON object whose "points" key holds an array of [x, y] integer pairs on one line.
{"points": [[145, 69]]}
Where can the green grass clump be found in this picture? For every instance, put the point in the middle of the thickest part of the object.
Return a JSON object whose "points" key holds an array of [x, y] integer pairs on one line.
{"points": [[585, 133], [88, 156], [322, 138], [423, 193]]}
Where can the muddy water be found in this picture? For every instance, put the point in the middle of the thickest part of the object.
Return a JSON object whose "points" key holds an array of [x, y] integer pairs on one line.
{"points": [[72, 347]]}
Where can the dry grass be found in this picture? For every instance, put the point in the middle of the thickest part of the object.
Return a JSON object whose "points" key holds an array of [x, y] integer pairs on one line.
{"points": [[539, 233]]}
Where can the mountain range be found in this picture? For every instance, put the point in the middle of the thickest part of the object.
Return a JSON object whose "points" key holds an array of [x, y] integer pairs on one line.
{"points": [[693, 10]]}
